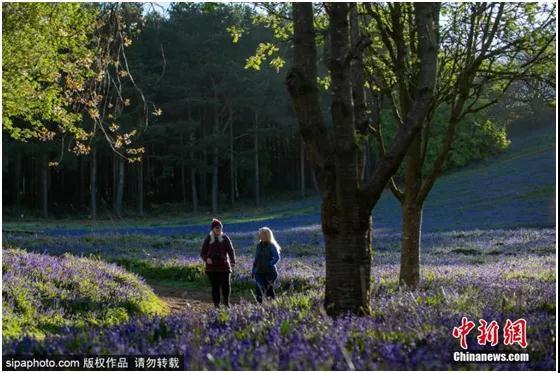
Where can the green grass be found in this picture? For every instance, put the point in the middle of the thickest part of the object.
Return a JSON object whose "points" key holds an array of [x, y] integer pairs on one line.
{"points": [[43, 294]]}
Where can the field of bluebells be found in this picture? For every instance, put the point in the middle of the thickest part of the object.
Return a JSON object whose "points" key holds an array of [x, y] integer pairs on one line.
{"points": [[488, 252]]}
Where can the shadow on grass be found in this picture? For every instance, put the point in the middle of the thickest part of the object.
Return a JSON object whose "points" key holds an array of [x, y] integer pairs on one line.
{"points": [[193, 277]]}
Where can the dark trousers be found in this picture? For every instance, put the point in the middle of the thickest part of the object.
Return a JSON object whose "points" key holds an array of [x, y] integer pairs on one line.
{"points": [[220, 281], [265, 285]]}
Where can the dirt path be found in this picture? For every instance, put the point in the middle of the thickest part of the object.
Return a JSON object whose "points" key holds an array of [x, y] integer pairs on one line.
{"points": [[191, 300], [180, 300]]}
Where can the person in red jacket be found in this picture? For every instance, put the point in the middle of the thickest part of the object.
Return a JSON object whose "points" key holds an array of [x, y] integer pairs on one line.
{"points": [[218, 254]]}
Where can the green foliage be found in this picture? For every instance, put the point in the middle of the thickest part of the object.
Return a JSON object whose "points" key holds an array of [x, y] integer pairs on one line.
{"points": [[46, 60], [476, 137], [264, 50]]}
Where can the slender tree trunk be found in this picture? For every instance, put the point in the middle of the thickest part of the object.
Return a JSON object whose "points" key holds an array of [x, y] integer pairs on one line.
{"points": [[315, 184], [215, 169], [215, 181], [183, 182], [194, 192], [302, 168], [410, 244], [203, 175], [411, 216], [82, 182], [148, 187], [45, 184], [231, 164], [18, 183], [115, 181], [93, 184], [140, 188], [256, 151], [235, 183], [120, 187]]}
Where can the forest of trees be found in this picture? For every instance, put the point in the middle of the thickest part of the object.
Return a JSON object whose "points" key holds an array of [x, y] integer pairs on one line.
{"points": [[221, 130], [225, 133], [215, 104]]}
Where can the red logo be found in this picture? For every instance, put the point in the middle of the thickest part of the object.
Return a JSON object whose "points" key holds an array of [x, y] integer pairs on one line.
{"points": [[462, 331], [488, 332], [514, 332]]}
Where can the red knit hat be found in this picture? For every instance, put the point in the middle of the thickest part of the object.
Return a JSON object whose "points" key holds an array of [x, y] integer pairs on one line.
{"points": [[216, 223]]}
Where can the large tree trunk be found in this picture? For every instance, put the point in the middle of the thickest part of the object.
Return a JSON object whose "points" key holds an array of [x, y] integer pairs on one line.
{"points": [[45, 184], [334, 153], [348, 259], [93, 184], [140, 169], [256, 154], [347, 236]]}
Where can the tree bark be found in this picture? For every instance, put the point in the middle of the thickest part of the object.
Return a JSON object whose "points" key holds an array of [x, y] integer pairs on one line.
{"points": [[348, 259], [410, 244], [93, 184], [45, 184], [411, 217], [256, 154]]}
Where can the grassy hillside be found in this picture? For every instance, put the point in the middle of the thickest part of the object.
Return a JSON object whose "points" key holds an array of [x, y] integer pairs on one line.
{"points": [[43, 294], [514, 189]]}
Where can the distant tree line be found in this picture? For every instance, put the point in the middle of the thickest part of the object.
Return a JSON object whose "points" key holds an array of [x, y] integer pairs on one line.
{"points": [[221, 133], [173, 111]]}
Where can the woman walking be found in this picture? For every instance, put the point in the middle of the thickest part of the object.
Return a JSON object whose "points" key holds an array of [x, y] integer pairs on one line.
{"points": [[218, 254], [264, 266]]}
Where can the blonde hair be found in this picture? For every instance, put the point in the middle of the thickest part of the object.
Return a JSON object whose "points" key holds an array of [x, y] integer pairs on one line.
{"points": [[269, 236]]}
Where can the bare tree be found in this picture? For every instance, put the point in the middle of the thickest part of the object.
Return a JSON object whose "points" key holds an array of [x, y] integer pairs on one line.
{"points": [[335, 152], [485, 47]]}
